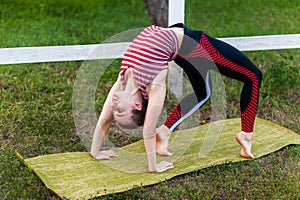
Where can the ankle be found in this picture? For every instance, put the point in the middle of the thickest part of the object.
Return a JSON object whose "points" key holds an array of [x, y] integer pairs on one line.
{"points": [[245, 136], [247, 133], [164, 131]]}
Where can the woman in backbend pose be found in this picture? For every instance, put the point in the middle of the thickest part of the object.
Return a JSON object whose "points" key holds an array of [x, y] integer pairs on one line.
{"points": [[138, 95]]}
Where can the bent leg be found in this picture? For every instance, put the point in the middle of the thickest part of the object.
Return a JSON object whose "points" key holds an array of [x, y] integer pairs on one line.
{"points": [[192, 102], [234, 64]]}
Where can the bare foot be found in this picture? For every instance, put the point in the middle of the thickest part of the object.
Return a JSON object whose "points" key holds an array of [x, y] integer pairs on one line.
{"points": [[162, 141], [245, 140]]}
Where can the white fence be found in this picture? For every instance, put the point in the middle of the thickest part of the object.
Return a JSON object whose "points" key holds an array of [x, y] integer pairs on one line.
{"points": [[116, 50]]}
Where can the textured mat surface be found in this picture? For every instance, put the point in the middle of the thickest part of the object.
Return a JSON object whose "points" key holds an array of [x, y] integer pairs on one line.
{"points": [[76, 175]]}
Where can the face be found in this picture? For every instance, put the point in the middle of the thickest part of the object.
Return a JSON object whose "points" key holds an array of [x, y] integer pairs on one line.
{"points": [[123, 103]]}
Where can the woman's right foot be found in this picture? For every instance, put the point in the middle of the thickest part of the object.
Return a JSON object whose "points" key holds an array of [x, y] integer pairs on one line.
{"points": [[245, 140]]}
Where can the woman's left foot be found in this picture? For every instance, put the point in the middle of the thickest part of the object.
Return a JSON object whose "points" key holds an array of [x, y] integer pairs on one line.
{"points": [[162, 141]]}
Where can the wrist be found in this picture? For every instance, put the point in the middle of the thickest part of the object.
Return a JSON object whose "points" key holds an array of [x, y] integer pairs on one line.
{"points": [[152, 162], [93, 154], [152, 170]]}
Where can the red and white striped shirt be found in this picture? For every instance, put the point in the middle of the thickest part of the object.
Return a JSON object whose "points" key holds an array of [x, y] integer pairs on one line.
{"points": [[148, 54]]}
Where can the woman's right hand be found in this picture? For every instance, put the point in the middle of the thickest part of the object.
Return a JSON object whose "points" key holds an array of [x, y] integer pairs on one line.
{"points": [[105, 155], [162, 166]]}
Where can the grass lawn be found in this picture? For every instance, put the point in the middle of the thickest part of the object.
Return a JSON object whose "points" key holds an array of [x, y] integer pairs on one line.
{"points": [[36, 99]]}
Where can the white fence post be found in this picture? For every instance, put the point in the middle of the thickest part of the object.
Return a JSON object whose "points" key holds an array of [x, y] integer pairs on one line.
{"points": [[175, 77]]}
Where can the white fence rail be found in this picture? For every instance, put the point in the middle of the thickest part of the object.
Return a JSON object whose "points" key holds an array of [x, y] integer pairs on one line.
{"points": [[267, 42], [61, 53], [116, 50]]}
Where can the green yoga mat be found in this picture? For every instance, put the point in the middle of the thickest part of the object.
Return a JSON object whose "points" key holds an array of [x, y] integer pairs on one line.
{"points": [[76, 175]]}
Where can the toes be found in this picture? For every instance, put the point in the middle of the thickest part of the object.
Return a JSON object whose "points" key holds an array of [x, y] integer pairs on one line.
{"points": [[245, 154]]}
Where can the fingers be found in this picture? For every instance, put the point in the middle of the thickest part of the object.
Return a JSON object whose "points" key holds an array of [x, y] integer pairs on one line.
{"points": [[164, 166], [111, 153], [102, 157], [106, 155]]}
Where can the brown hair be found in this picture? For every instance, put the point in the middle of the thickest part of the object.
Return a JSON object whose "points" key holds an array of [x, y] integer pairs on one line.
{"points": [[138, 116]]}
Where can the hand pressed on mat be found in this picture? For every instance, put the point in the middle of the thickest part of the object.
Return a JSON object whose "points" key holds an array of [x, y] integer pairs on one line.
{"points": [[105, 155]]}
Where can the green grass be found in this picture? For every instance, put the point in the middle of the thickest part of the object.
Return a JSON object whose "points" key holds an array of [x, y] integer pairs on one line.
{"points": [[36, 99]]}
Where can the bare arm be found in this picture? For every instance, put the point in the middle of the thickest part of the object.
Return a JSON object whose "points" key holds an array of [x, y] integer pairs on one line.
{"points": [[102, 127], [157, 93]]}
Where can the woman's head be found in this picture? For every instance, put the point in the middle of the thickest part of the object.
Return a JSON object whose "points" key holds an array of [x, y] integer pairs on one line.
{"points": [[129, 109]]}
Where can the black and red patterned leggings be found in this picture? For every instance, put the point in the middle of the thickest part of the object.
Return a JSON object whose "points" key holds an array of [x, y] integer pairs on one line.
{"points": [[200, 53]]}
